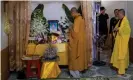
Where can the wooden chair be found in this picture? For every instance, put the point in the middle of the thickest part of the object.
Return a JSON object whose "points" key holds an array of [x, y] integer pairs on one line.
{"points": [[32, 61]]}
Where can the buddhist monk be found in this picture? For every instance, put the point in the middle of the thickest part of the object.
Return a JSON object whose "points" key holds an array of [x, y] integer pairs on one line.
{"points": [[77, 45], [120, 55]]}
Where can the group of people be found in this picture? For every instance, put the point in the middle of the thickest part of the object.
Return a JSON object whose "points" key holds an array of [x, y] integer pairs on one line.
{"points": [[120, 30]]}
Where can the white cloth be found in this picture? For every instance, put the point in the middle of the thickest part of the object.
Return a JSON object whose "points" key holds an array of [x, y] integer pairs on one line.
{"points": [[75, 74]]}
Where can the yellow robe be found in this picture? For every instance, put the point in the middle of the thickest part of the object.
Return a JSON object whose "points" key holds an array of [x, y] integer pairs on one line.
{"points": [[50, 70], [120, 55], [77, 45]]}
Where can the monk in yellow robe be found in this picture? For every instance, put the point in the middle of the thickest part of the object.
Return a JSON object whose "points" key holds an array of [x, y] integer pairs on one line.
{"points": [[77, 45], [120, 55]]}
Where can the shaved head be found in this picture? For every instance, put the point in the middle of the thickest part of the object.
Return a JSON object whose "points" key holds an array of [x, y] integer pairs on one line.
{"points": [[74, 9], [121, 13]]}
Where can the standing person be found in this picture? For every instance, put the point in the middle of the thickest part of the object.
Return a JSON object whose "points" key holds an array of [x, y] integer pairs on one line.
{"points": [[103, 22], [120, 55], [77, 45], [113, 21]]}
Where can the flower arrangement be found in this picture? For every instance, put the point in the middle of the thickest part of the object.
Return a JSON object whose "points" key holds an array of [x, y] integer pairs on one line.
{"points": [[38, 27], [39, 24], [41, 39], [64, 25], [51, 52]]}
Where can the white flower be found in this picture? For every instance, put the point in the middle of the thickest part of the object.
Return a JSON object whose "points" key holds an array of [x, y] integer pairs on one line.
{"points": [[37, 25]]}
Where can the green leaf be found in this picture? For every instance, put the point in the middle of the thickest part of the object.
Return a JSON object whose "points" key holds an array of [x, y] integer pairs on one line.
{"points": [[38, 21], [68, 13], [80, 10]]}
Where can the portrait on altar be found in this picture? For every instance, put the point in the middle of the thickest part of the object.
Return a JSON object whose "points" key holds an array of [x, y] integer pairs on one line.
{"points": [[53, 25]]}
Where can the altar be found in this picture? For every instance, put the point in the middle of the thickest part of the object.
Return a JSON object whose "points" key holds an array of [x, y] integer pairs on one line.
{"points": [[49, 35], [39, 50]]}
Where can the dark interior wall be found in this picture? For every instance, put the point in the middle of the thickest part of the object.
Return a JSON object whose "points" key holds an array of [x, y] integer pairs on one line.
{"points": [[131, 49], [4, 48], [4, 64]]}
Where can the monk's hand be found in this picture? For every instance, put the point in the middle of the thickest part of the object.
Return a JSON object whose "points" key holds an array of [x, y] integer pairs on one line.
{"points": [[116, 29]]}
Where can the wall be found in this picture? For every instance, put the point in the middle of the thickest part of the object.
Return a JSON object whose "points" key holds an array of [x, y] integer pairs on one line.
{"points": [[4, 50], [130, 14], [111, 5], [0, 40], [130, 17], [53, 10], [4, 38]]}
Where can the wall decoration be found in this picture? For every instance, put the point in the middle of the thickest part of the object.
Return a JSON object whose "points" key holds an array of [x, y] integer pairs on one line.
{"points": [[39, 24], [53, 25]]}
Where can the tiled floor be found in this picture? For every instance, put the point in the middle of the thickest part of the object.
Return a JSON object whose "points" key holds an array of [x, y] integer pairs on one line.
{"points": [[99, 73], [94, 71]]}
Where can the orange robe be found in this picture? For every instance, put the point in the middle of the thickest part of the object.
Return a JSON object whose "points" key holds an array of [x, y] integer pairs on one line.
{"points": [[77, 45]]}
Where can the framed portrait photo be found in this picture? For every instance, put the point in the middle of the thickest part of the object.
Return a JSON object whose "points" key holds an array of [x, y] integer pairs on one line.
{"points": [[53, 25]]}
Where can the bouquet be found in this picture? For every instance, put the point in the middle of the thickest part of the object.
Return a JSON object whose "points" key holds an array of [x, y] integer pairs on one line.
{"points": [[50, 53]]}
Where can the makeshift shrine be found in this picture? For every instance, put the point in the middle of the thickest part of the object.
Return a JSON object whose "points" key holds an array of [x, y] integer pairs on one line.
{"points": [[48, 40]]}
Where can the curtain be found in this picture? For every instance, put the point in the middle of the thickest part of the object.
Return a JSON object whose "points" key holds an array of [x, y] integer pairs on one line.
{"points": [[87, 15], [17, 14]]}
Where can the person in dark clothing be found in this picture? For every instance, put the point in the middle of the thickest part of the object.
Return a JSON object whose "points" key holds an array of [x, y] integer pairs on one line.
{"points": [[103, 22], [113, 21], [102, 18]]}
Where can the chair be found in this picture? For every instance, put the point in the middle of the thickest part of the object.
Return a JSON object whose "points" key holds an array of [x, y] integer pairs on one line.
{"points": [[30, 61]]}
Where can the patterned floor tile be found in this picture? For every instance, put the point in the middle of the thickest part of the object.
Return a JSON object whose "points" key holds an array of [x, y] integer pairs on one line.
{"points": [[130, 70], [89, 73], [106, 71], [96, 73], [64, 74]]}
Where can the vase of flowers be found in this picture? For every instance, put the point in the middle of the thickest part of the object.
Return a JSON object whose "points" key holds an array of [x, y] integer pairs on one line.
{"points": [[50, 53]]}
